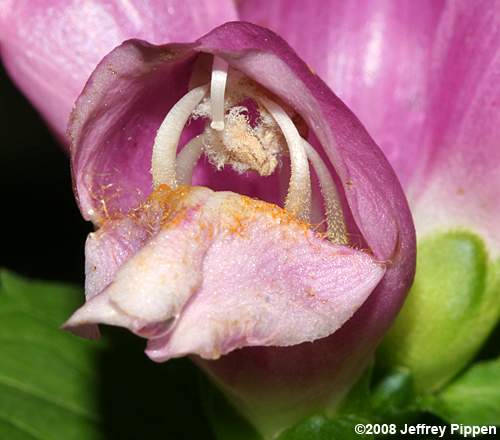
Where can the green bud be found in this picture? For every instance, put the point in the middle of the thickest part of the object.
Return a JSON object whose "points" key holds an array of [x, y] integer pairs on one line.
{"points": [[450, 311]]}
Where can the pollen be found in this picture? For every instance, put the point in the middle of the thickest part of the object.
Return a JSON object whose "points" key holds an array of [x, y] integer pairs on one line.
{"points": [[244, 147]]}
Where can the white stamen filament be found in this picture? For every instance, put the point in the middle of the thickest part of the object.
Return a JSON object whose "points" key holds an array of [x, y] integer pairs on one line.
{"points": [[298, 199], [335, 226], [168, 169], [168, 135], [217, 90], [187, 159]]}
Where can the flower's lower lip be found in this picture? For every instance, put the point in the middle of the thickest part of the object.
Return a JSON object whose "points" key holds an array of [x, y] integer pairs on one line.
{"points": [[213, 273]]}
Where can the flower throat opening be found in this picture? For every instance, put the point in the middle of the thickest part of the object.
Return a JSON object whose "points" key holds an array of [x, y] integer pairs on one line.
{"points": [[249, 131]]}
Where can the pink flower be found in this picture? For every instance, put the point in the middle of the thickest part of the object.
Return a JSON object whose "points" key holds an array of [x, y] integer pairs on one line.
{"points": [[206, 273], [284, 296]]}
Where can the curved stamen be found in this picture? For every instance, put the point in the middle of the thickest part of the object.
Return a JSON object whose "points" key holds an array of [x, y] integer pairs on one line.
{"points": [[167, 169], [187, 159], [217, 89], [298, 199], [335, 225], [168, 135]]}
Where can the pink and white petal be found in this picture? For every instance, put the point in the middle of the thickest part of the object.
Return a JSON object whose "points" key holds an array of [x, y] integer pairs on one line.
{"points": [[155, 283], [269, 287], [458, 185], [152, 285], [140, 268], [50, 47], [98, 310], [237, 272], [373, 54]]}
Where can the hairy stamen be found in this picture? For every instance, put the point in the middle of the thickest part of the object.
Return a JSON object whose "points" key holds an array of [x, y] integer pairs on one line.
{"points": [[232, 139], [168, 135], [187, 159], [298, 199], [335, 225], [217, 89]]}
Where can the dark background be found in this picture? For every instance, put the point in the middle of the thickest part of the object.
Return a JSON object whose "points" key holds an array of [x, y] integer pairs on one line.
{"points": [[43, 234]]}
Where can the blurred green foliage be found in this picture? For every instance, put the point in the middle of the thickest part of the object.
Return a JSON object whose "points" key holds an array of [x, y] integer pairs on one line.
{"points": [[451, 309]]}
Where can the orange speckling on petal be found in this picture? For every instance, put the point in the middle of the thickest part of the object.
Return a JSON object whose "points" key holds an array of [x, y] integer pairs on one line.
{"points": [[311, 293], [238, 212], [228, 213]]}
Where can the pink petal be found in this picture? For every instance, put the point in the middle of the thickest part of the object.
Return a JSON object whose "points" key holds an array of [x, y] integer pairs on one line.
{"points": [[373, 54], [422, 76], [269, 286], [129, 254], [458, 184], [251, 273], [107, 249], [50, 47]]}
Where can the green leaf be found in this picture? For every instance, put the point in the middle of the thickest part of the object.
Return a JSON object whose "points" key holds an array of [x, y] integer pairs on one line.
{"points": [[319, 427], [452, 308], [46, 379], [472, 399], [56, 386]]}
